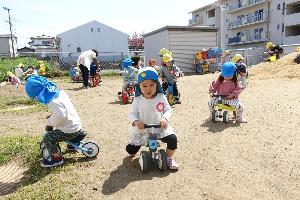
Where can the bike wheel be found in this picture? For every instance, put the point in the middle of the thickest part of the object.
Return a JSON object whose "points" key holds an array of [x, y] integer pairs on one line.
{"points": [[92, 149], [171, 99], [162, 160], [225, 116], [144, 161]]}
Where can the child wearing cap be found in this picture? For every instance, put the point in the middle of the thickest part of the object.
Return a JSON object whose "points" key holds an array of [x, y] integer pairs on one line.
{"points": [[130, 73], [227, 84], [63, 116], [170, 73], [150, 106], [241, 69]]}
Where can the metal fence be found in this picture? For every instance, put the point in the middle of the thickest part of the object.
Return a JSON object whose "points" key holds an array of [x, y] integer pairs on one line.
{"points": [[254, 56]]}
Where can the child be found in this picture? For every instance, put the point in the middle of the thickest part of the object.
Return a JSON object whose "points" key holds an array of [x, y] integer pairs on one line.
{"points": [[136, 62], [150, 106], [19, 71], [227, 84], [241, 69], [30, 71], [152, 63], [13, 79], [63, 118], [226, 57], [130, 73], [170, 73]]}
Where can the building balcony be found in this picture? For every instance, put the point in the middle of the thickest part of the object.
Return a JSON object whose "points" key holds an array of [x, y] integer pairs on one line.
{"points": [[246, 21], [292, 19], [248, 38], [244, 5]]}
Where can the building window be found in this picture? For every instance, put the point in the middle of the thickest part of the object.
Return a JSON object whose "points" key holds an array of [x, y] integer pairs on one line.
{"points": [[69, 45], [282, 27], [78, 49], [98, 29], [278, 26], [278, 7], [211, 13], [283, 8], [92, 30]]}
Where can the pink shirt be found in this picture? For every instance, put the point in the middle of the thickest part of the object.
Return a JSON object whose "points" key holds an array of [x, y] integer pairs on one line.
{"points": [[225, 88]]}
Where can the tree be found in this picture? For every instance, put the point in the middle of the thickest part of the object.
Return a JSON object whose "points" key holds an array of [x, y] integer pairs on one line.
{"points": [[136, 41]]}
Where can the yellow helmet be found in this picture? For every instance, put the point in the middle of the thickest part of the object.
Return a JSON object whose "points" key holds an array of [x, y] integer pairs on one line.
{"points": [[297, 49], [20, 65], [227, 52], [163, 51], [269, 44], [236, 58], [167, 58]]}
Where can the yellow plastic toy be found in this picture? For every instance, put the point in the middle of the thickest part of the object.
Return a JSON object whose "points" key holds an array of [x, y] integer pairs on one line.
{"points": [[222, 110]]}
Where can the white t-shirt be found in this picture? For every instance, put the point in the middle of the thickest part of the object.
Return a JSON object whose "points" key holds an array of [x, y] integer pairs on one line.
{"points": [[86, 58], [63, 114]]}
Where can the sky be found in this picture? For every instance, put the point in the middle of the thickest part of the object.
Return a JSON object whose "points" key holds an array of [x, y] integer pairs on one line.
{"points": [[37, 17]]}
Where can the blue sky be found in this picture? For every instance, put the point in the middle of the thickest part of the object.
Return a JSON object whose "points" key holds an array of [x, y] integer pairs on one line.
{"points": [[36, 17]]}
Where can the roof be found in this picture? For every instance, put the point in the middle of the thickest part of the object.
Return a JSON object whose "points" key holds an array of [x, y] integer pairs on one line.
{"points": [[6, 36], [42, 37], [184, 28], [204, 7], [93, 21]]}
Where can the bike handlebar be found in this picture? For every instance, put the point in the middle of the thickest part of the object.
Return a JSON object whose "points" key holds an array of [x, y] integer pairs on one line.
{"points": [[152, 125]]}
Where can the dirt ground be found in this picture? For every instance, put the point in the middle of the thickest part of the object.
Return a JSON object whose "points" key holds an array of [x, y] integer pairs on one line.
{"points": [[256, 160]]}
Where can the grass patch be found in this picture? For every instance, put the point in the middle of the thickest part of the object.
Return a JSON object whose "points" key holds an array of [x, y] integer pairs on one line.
{"points": [[11, 102], [38, 182], [23, 146]]}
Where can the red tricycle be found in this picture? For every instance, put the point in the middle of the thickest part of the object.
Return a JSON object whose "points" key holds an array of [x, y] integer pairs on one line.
{"points": [[128, 94]]}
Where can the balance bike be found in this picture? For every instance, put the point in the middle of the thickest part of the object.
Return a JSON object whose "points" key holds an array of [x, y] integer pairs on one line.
{"points": [[153, 156], [222, 110]]}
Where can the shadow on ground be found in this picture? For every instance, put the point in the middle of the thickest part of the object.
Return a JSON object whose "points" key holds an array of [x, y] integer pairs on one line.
{"points": [[126, 173]]}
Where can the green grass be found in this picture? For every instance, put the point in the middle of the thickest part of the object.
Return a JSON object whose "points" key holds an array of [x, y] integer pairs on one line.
{"points": [[38, 182]]}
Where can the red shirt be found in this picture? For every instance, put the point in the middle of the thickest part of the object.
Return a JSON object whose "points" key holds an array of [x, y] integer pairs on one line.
{"points": [[225, 88]]}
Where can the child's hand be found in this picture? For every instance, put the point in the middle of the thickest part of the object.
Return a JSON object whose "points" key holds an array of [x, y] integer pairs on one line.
{"points": [[164, 122], [139, 124], [230, 96], [47, 115]]}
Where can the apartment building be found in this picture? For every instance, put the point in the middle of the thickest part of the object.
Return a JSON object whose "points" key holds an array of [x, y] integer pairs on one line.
{"points": [[209, 15], [252, 23]]}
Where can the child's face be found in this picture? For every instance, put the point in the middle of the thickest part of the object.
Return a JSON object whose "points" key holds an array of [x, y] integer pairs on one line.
{"points": [[228, 78], [148, 88], [168, 64]]}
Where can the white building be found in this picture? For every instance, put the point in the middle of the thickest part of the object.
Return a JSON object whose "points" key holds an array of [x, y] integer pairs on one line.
{"points": [[93, 35], [252, 23], [209, 15], [44, 44], [182, 41], [7, 46]]}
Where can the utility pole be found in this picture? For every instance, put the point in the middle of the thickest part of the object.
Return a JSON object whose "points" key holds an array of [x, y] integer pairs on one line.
{"points": [[10, 25]]}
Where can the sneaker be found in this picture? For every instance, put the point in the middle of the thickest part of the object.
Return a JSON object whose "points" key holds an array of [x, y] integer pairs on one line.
{"points": [[178, 101], [241, 120], [52, 162], [172, 164]]}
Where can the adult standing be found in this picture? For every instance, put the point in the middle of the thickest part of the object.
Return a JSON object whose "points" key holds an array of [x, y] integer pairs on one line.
{"points": [[84, 62]]}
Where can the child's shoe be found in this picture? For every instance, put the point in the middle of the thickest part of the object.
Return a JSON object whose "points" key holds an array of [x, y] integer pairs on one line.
{"points": [[54, 161], [172, 164], [241, 119]]}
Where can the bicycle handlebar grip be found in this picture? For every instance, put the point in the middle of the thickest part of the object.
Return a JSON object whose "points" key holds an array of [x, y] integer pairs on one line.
{"points": [[152, 125]]}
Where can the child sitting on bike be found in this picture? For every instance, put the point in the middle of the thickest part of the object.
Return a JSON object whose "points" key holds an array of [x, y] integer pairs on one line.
{"points": [[130, 73], [227, 85], [150, 106], [63, 116], [241, 69], [170, 73]]}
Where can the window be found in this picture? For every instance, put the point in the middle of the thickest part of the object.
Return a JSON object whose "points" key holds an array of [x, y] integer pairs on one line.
{"points": [[78, 49], [92, 30], [282, 27], [278, 26], [98, 29], [278, 7], [69, 45], [283, 8], [211, 13], [45, 42]]}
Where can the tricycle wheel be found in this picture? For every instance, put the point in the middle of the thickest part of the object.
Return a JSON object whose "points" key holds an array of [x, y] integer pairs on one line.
{"points": [[144, 161], [225, 116], [214, 115], [92, 149], [162, 160]]}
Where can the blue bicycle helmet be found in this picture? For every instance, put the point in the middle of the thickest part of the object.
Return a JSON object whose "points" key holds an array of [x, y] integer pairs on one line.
{"points": [[127, 62], [228, 69]]}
